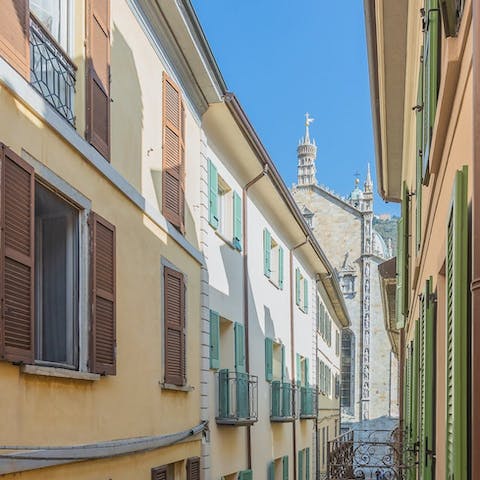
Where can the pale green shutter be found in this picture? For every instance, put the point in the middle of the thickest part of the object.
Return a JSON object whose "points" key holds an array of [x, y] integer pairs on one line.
{"points": [[300, 465], [280, 268], [267, 245], [271, 470], [307, 463], [431, 78], [223, 393], [297, 286], [214, 340], [305, 295], [322, 320], [457, 330], [299, 369], [285, 467], [213, 194], [414, 375], [400, 273], [268, 359], [419, 183], [276, 391], [237, 221], [427, 428], [307, 372], [239, 348], [451, 16], [245, 475], [283, 364]]}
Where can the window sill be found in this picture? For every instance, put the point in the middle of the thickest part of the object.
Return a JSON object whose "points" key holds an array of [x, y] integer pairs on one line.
{"points": [[59, 373], [170, 386], [276, 285], [229, 243]]}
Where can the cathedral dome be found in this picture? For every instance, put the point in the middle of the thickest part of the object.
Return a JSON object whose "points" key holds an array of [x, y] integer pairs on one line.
{"points": [[379, 246], [356, 194]]}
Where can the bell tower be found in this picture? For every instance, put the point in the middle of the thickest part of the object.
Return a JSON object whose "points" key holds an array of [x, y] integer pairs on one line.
{"points": [[306, 154]]}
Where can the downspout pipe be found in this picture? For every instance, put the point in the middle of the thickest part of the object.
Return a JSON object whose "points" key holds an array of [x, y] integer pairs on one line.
{"points": [[317, 448], [292, 348], [245, 189]]}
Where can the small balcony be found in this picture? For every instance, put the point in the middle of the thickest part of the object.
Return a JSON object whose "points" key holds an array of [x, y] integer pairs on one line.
{"points": [[52, 73], [308, 402], [237, 398], [282, 407]]}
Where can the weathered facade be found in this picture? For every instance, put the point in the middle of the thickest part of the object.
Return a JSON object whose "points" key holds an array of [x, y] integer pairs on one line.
{"points": [[344, 227], [421, 57]]}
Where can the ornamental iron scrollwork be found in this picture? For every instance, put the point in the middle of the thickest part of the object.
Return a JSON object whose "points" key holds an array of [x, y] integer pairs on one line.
{"points": [[369, 455]]}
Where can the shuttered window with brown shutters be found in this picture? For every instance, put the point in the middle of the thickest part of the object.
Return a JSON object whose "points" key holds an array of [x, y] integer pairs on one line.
{"points": [[193, 468], [102, 328], [174, 304], [173, 177], [17, 224], [14, 32], [98, 75], [159, 473]]}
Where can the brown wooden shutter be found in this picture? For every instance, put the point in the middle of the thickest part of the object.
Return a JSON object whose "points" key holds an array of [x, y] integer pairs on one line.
{"points": [[159, 473], [193, 468], [17, 246], [102, 328], [14, 35], [174, 298], [173, 178], [98, 75]]}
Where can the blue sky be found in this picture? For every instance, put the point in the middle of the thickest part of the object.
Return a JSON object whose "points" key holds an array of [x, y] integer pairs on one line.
{"points": [[283, 58]]}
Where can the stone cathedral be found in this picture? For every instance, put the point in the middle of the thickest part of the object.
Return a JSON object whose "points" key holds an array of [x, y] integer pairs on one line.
{"points": [[344, 228]]}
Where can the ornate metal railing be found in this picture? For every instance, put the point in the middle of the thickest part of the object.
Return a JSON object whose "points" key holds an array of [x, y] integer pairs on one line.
{"points": [[237, 398], [368, 454], [308, 402], [282, 407], [52, 73]]}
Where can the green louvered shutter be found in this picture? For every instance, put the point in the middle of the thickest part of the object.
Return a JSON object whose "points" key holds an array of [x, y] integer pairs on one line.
{"points": [[451, 14], [406, 247], [268, 359], [245, 475], [271, 470], [280, 268], [419, 183], [431, 78], [300, 465], [267, 245], [421, 381], [307, 372], [286, 399], [305, 295], [237, 221], [242, 395], [457, 330], [299, 369], [214, 340], [307, 463], [322, 320], [414, 375], [223, 393], [427, 437], [400, 273], [213, 194], [406, 402], [276, 392], [297, 286], [284, 366], [285, 467], [239, 348]]}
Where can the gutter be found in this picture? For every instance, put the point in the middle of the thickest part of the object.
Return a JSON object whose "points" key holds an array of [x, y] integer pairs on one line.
{"points": [[371, 36], [328, 279]]}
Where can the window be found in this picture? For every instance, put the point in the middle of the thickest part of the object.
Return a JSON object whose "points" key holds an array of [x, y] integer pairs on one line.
{"points": [[337, 343], [55, 17], [42, 235], [303, 371], [347, 371], [225, 209], [272, 259], [325, 325], [301, 291], [174, 326], [56, 278]]}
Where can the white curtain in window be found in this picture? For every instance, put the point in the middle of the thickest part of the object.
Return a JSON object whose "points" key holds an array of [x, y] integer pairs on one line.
{"points": [[54, 17]]}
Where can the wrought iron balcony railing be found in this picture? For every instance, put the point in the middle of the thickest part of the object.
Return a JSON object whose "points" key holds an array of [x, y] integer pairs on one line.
{"points": [[52, 73], [237, 398], [308, 402], [282, 404]]}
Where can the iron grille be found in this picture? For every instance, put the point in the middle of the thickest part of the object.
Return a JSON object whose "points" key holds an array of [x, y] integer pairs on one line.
{"points": [[52, 71]]}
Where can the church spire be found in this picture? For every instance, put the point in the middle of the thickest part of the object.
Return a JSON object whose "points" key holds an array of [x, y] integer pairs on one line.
{"points": [[306, 154], [368, 181]]}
